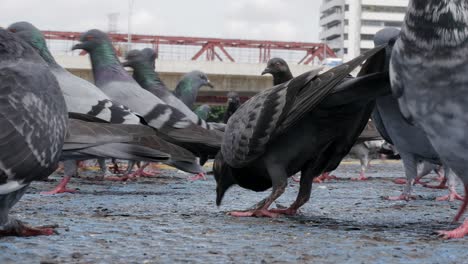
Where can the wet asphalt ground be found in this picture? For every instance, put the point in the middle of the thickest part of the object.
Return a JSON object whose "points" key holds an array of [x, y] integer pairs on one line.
{"points": [[171, 220]]}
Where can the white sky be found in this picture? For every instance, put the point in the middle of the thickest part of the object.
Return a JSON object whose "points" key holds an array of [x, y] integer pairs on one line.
{"points": [[287, 20]]}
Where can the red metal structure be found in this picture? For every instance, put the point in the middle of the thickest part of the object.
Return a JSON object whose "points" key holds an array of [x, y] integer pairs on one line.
{"points": [[215, 48]]}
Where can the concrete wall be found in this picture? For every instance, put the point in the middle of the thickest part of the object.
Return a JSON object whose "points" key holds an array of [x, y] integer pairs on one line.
{"points": [[240, 77]]}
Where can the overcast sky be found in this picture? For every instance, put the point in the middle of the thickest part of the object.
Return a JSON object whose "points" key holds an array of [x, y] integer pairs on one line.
{"points": [[287, 20]]}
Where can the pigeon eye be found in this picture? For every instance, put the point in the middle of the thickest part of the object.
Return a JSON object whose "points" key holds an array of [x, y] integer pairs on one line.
{"points": [[89, 38], [13, 30]]}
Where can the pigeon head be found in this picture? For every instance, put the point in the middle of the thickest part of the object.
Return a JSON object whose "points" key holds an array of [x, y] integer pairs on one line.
{"points": [[203, 111], [197, 79], [233, 98], [150, 56], [14, 48], [276, 66], [93, 40], [29, 33], [34, 37], [279, 69], [223, 175], [387, 36], [135, 58]]}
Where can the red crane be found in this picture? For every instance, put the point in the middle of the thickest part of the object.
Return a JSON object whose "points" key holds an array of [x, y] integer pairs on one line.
{"points": [[215, 48]]}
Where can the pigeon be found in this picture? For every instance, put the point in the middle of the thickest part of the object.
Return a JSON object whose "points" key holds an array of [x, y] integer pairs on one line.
{"points": [[411, 141], [365, 152], [203, 111], [171, 123], [188, 87], [142, 63], [233, 103], [80, 95], [84, 97], [33, 117], [428, 76], [279, 68], [263, 143]]}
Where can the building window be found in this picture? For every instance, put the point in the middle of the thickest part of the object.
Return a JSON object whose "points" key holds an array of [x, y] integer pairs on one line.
{"points": [[367, 37], [386, 9], [372, 23]]}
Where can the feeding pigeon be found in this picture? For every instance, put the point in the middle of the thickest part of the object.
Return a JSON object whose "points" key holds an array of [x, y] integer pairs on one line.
{"points": [[428, 76], [142, 63], [33, 118], [411, 141], [233, 103], [188, 87], [264, 140], [279, 68], [83, 97]]}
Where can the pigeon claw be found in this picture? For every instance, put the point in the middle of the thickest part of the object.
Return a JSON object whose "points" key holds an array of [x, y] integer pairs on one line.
{"points": [[199, 176], [402, 197], [254, 213], [287, 211], [22, 230], [61, 187], [459, 232]]}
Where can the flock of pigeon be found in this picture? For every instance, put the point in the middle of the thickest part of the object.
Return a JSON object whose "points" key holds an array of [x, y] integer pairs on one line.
{"points": [[412, 85]]}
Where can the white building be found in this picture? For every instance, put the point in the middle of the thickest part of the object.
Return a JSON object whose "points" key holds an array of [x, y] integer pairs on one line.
{"points": [[348, 26]]}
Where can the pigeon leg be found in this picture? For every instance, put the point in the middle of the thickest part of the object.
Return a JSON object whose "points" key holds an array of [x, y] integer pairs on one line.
{"points": [[409, 162], [71, 169], [127, 175], [364, 164], [115, 166], [462, 230], [442, 185], [459, 232], [452, 196], [13, 227], [199, 176], [61, 187], [279, 181], [17, 228], [141, 172], [305, 189], [325, 176], [451, 182]]}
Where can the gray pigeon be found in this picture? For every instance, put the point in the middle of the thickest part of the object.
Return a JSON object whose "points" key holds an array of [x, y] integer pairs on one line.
{"points": [[264, 139], [33, 118], [171, 123], [142, 63], [428, 75], [279, 68], [188, 87], [84, 97], [233, 103], [410, 140]]}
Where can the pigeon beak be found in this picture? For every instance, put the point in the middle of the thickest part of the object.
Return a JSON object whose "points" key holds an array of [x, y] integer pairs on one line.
{"points": [[126, 64], [266, 70], [77, 46], [209, 84]]}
